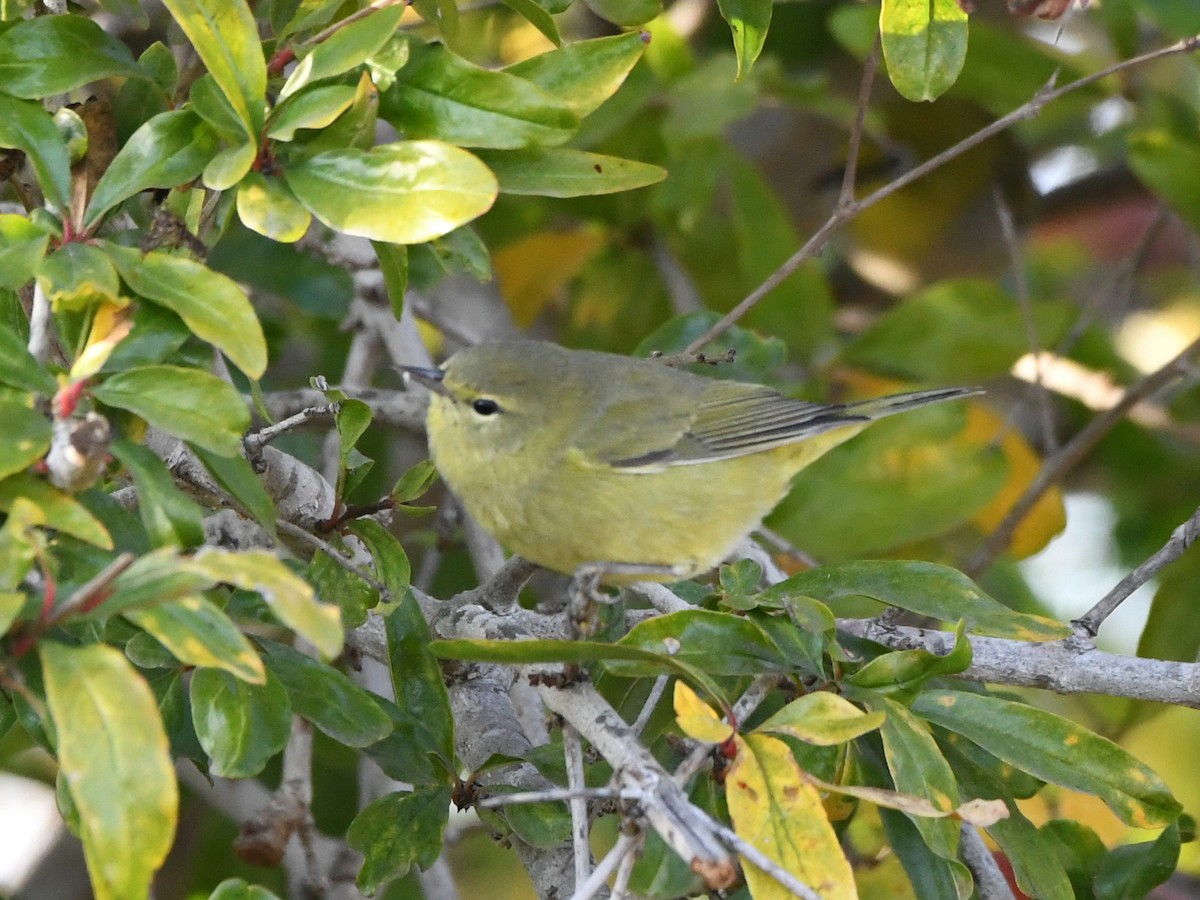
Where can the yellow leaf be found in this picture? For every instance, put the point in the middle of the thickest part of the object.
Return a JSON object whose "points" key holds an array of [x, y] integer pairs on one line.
{"points": [[696, 719], [532, 270], [111, 325], [774, 807], [1047, 518]]}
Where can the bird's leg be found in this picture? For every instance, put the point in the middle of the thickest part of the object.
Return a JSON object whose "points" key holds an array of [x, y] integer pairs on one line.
{"points": [[585, 595]]}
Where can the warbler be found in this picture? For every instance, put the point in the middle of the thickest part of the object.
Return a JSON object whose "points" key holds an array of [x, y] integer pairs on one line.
{"points": [[574, 458]]}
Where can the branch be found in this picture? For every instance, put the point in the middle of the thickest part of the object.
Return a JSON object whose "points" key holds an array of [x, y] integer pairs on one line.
{"points": [[1181, 538], [989, 880], [844, 212], [1065, 667]]}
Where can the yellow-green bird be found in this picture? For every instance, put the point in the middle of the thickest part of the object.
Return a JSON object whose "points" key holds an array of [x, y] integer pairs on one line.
{"points": [[576, 458]]}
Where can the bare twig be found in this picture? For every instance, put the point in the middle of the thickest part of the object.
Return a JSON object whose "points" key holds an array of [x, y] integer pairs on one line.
{"points": [[588, 888], [39, 325], [1072, 453], [843, 213], [620, 886], [745, 705], [760, 860], [580, 843], [656, 692], [255, 440], [556, 795], [1181, 538], [870, 67], [1009, 231]]}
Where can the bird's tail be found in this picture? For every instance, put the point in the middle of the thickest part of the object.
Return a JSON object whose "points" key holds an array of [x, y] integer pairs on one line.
{"points": [[878, 407]]}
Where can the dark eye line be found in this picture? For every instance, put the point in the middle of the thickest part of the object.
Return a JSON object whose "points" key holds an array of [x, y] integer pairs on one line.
{"points": [[485, 407]]}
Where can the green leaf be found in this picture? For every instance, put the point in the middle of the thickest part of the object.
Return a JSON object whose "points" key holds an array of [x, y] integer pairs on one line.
{"points": [[236, 889], [237, 477], [19, 369], [168, 150], [392, 567], [336, 584], [240, 725], [26, 126], [155, 577], [626, 13], [441, 95], [918, 767], [209, 102], [537, 17], [267, 206], [171, 517], [415, 482], [586, 73], [748, 20], [1056, 750], [924, 45], [417, 680], [225, 36], [719, 643], [346, 48], [402, 193], [78, 276], [904, 672], [22, 246], [214, 307], [327, 698], [567, 173], [11, 604], [396, 831], [189, 403], [393, 262], [961, 329], [56, 54], [54, 509], [113, 756], [24, 437], [198, 633], [230, 166], [823, 719], [353, 419], [311, 109], [288, 595], [924, 588]]}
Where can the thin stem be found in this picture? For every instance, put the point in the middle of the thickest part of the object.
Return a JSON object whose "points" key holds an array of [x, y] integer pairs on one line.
{"points": [[850, 177], [573, 752], [1181, 538]]}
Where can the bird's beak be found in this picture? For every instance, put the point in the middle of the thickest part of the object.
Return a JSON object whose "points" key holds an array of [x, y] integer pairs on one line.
{"points": [[429, 378]]}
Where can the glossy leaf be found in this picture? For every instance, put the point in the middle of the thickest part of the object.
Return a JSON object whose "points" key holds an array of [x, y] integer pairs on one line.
{"points": [[18, 368], [718, 643], [402, 193], [240, 725], [198, 633], [626, 13], [336, 584], [189, 403], [539, 18], [559, 172], [24, 438], [26, 126], [267, 206], [397, 831], [311, 109], [237, 477], [327, 698], [346, 48], [288, 595], [155, 577], [225, 36], [168, 150], [696, 718], [906, 671], [924, 588], [584, 74], [924, 45], [393, 263], [78, 276], [113, 754], [1132, 871], [54, 509], [823, 718], [392, 567], [56, 54], [774, 807], [171, 517], [1057, 750], [441, 95]]}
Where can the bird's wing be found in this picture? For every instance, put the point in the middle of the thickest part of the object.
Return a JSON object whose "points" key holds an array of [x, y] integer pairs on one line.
{"points": [[725, 420]]}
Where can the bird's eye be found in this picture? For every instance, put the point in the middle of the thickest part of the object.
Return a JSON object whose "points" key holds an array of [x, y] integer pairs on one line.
{"points": [[485, 407]]}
